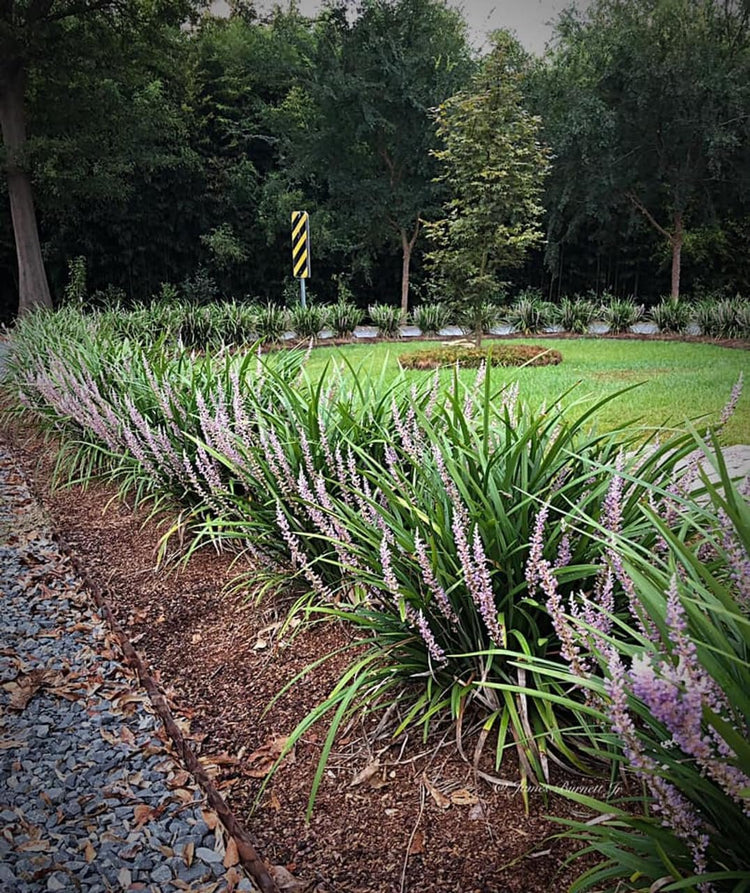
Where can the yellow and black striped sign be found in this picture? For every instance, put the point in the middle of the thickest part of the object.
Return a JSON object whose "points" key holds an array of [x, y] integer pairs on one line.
{"points": [[301, 244]]}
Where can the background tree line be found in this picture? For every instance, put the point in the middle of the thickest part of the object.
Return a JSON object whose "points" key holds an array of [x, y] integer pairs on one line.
{"points": [[164, 146]]}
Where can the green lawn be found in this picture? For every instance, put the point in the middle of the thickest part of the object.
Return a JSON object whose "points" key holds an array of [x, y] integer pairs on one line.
{"points": [[677, 381]]}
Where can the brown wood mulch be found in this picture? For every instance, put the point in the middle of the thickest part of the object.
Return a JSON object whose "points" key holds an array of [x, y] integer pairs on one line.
{"points": [[391, 814]]}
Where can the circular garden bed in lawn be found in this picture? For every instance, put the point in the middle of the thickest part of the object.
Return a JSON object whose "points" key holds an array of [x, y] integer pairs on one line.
{"points": [[470, 357]]}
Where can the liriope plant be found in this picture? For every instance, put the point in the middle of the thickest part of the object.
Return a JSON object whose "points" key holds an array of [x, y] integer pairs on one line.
{"points": [[670, 682]]}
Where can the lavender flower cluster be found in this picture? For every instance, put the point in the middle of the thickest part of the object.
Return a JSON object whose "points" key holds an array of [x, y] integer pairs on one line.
{"points": [[668, 679]]}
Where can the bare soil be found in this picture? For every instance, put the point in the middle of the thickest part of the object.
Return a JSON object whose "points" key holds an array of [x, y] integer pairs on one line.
{"points": [[421, 822]]}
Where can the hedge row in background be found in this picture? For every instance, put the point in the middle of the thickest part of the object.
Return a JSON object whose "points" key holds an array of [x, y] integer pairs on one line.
{"points": [[234, 322]]}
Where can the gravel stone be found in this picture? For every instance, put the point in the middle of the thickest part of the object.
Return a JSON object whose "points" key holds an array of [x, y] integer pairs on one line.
{"points": [[206, 855], [7, 876], [162, 874], [64, 783]]}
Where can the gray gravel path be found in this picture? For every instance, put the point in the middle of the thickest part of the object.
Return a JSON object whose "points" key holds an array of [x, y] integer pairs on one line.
{"points": [[90, 799]]}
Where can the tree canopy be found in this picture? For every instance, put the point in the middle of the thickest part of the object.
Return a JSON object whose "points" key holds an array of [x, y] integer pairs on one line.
{"points": [[493, 166], [162, 145], [648, 106]]}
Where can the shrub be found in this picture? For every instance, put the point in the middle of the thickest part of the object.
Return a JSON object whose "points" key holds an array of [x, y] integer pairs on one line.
{"points": [[576, 314], [271, 322], [742, 320], [141, 324], [344, 317], [167, 294], [234, 323], [621, 313], [344, 294], [670, 682], [480, 317], [109, 298], [197, 329], [725, 318], [474, 357], [200, 288], [387, 318], [74, 294], [671, 317], [431, 530], [431, 318], [308, 322], [529, 313]]}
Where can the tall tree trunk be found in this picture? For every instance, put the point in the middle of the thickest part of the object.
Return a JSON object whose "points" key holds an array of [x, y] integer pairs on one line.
{"points": [[478, 309], [676, 240], [33, 290], [407, 245]]}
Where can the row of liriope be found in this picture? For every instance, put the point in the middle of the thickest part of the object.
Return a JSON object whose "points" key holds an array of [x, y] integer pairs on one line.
{"points": [[450, 524]]}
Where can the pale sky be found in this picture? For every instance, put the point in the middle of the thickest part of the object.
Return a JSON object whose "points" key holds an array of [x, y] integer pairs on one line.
{"points": [[528, 18]]}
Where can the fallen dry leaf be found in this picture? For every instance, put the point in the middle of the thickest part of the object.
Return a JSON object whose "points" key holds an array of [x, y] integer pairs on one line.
{"points": [[274, 802], [232, 879], [128, 699], [476, 813], [27, 687], [142, 814], [220, 759], [179, 779], [188, 853], [33, 846], [417, 843], [89, 853], [210, 818], [231, 856], [227, 784], [372, 768], [463, 797], [126, 736], [438, 796], [285, 881], [261, 761]]}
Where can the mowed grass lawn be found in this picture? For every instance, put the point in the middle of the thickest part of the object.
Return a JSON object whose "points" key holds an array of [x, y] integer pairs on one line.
{"points": [[677, 381]]}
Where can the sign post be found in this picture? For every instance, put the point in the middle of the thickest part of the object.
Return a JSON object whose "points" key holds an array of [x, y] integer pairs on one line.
{"points": [[301, 251]]}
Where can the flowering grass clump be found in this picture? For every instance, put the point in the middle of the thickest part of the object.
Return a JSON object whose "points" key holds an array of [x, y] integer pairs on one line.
{"points": [[438, 515], [672, 689]]}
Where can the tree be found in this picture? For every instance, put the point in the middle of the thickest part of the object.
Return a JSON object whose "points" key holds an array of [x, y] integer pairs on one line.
{"points": [[375, 81], [494, 167], [245, 77], [648, 106], [52, 35]]}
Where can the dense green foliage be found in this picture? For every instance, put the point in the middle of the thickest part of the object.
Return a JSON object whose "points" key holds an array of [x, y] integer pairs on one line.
{"points": [[645, 104], [175, 155], [494, 168], [670, 684]]}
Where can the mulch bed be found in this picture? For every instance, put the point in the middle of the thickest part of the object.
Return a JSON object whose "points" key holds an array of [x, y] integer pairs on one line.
{"points": [[421, 821]]}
